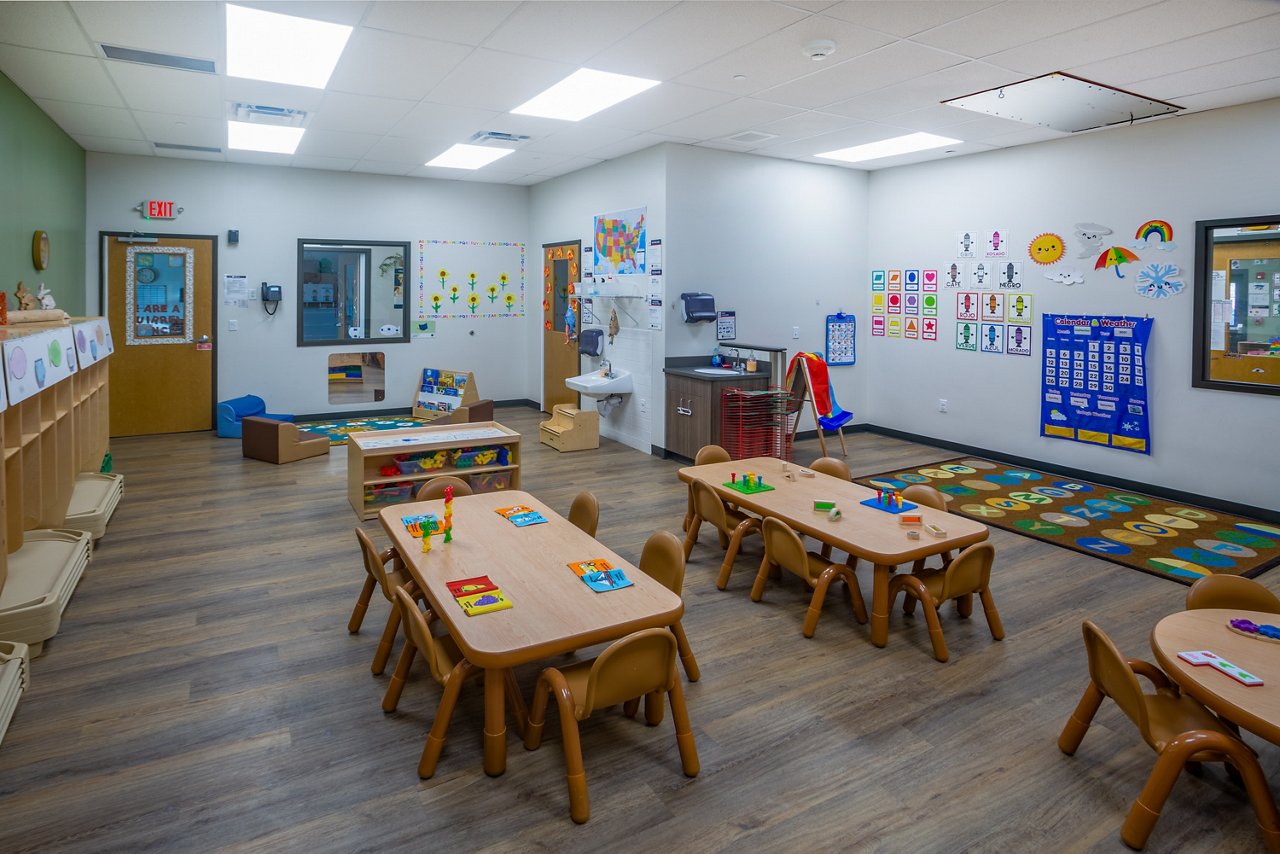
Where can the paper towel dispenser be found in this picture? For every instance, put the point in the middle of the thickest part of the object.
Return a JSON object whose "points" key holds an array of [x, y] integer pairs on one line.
{"points": [[698, 308], [589, 342]]}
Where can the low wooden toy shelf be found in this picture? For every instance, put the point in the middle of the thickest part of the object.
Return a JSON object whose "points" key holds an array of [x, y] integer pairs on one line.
{"points": [[474, 452]]}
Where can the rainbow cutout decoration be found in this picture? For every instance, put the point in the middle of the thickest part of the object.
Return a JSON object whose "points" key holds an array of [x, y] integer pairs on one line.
{"points": [[1158, 227]]}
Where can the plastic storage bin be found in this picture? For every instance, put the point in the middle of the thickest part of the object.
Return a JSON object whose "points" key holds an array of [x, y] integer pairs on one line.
{"points": [[491, 481]]}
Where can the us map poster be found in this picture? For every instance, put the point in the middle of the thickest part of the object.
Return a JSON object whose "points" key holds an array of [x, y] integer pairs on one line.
{"points": [[1095, 380]]}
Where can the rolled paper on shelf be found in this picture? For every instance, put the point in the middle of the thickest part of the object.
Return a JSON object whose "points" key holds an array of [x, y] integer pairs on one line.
{"points": [[40, 315]]}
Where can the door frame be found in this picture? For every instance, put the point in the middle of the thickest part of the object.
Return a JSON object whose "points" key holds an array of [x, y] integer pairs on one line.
{"points": [[102, 298]]}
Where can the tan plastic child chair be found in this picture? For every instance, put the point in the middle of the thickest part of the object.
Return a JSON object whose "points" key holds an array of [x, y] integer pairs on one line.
{"points": [[833, 467], [448, 668], [969, 573], [663, 561], [434, 488], [388, 580], [730, 524], [640, 665], [585, 512], [782, 547], [706, 455], [927, 496], [1231, 591], [1175, 726]]}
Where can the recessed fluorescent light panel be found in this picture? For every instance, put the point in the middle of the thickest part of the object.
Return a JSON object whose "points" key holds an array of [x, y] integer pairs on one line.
{"points": [[583, 93], [1064, 103], [269, 138], [282, 48], [469, 156], [889, 147]]}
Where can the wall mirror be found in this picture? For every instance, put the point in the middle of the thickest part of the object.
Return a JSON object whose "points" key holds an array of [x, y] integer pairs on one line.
{"points": [[351, 290], [357, 377], [1237, 310]]}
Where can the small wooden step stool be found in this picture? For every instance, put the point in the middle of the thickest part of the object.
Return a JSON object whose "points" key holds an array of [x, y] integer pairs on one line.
{"points": [[571, 428]]}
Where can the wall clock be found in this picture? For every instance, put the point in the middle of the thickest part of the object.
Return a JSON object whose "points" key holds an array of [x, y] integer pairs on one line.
{"points": [[40, 250]]}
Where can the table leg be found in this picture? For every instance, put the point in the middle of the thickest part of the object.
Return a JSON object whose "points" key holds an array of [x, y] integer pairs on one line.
{"points": [[880, 604], [495, 723]]}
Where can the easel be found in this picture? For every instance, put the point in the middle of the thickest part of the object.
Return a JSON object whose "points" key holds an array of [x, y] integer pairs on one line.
{"points": [[800, 385]]}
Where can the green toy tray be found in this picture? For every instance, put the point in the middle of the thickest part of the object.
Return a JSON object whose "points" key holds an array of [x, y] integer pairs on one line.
{"points": [[738, 486]]}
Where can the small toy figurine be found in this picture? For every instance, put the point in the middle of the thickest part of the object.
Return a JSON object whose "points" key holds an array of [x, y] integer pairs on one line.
{"points": [[448, 514], [45, 297], [427, 527], [26, 300]]}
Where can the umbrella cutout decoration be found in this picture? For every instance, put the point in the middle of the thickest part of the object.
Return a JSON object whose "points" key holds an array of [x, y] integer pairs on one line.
{"points": [[1114, 257]]}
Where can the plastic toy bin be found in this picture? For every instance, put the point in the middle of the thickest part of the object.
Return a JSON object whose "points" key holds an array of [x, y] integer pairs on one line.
{"points": [[391, 493], [491, 481]]}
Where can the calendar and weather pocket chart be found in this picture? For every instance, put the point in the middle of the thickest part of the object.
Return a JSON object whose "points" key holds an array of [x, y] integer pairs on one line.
{"points": [[1095, 380]]}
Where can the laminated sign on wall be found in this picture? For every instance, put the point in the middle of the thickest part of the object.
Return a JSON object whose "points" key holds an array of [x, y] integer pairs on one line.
{"points": [[1095, 380]]}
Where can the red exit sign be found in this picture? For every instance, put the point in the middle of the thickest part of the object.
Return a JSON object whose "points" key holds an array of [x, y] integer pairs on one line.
{"points": [[158, 209]]}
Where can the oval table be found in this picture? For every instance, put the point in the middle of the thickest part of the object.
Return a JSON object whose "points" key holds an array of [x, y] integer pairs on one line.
{"points": [[1256, 709]]}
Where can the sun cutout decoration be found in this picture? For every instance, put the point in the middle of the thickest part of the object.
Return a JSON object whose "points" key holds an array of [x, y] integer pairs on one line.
{"points": [[1047, 249]]}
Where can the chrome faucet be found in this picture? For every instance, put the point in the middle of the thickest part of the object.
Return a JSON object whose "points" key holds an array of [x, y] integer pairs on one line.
{"points": [[737, 359], [607, 367]]}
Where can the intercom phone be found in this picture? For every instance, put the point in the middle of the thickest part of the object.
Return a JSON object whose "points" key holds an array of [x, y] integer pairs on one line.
{"points": [[271, 293]]}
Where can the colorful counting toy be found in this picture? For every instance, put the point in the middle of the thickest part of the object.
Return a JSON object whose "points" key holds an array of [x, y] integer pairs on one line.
{"points": [[1252, 629], [1205, 658]]}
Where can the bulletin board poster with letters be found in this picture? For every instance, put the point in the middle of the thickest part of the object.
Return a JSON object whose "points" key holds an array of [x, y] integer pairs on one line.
{"points": [[469, 278], [841, 331], [1095, 380]]}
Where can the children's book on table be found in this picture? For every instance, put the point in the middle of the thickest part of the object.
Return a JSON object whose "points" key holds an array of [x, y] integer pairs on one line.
{"points": [[478, 595], [521, 516], [600, 575]]}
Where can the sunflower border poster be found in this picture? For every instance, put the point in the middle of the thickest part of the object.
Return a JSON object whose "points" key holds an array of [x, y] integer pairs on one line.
{"points": [[1096, 380]]}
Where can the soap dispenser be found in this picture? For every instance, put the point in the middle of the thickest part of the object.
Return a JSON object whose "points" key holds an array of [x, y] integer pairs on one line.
{"points": [[716, 359], [751, 363]]}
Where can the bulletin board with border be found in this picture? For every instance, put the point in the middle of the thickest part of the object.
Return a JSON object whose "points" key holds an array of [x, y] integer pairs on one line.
{"points": [[469, 278]]}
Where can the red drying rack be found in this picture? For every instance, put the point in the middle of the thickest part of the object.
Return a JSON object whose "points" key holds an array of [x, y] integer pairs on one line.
{"points": [[755, 423]]}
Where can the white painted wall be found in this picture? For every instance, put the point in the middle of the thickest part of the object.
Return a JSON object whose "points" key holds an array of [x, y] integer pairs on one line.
{"points": [[565, 209], [1203, 166], [781, 243], [275, 206]]}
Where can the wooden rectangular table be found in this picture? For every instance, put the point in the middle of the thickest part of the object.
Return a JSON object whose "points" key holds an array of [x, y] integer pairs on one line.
{"points": [[864, 532], [552, 611]]}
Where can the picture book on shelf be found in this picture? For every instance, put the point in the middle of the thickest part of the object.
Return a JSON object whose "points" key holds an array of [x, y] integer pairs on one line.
{"points": [[602, 582], [483, 603], [471, 586], [599, 564]]}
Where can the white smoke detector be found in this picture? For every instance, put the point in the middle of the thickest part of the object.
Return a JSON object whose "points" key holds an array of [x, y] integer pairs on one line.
{"points": [[820, 49]]}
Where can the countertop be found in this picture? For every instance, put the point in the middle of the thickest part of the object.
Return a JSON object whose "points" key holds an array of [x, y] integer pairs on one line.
{"points": [[762, 372]]}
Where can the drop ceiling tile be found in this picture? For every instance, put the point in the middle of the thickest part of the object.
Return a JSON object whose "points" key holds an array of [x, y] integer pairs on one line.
{"points": [[579, 139], [803, 125], [980, 127], [46, 26], [461, 23], [195, 29], [906, 19], [691, 34], [59, 77], [811, 5], [414, 151], [880, 68], [447, 121], [523, 161], [1249, 92], [332, 164], [660, 105], [333, 11], [923, 92], [391, 65], [1020, 22], [359, 114], [380, 167], [490, 80], [629, 145], [487, 175], [259, 158], [179, 154], [1236, 71], [855, 134], [924, 156], [183, 130], [1023, 137], [570, 31], [936, 119], [167, 90], [243, 91], [112, 145], [91, 120], [734, 117], [336, 143], [573, 164], [780, 57], [529, 180]]}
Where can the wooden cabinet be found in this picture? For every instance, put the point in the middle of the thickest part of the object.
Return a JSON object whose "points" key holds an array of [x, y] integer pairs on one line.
{"points": [[484, 453], [693, 410]]}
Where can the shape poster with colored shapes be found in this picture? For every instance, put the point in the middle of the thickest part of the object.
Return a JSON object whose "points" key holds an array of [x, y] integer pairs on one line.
{"points": [[1095, 380], [911, 328], [911, 303], [992, 307], [911, 280], [1017, 340], [878, 279], [1018, 309], [967, 336], [929, 305], [929, 329], [991, 338], [877, 325], [928, 280], [895, 327], [877, 303], [895, 280], [895, 303]]}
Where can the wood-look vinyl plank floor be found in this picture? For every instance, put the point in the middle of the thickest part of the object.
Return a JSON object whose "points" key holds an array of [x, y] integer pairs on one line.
{"points": [[204, 694]]}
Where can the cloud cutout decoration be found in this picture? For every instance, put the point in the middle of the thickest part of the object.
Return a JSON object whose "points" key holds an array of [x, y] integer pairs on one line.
{"points": [[1154, 242], [1065, 277]]}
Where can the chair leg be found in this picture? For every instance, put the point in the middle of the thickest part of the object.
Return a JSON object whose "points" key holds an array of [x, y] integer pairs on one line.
{"points": [[630, 707], [731, 553], [930, 609], [653, 708], [1078, 724], [1255, 783], [684, 732], [388, 640], [993, 616], [816, 600], [690, 663], [694, 525], [537, 715], [964, 605], [362, 605], [724, 538], [762, 578], [516, 701], [391, 698], [444, 714], [575, 775]]}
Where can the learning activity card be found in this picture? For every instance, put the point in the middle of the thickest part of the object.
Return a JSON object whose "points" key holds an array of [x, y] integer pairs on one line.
{"points": [[597, 564], [514, 510], [841, 331], [523, 520], [471, 586], [483, 603], [413, 524], [603, 582]]}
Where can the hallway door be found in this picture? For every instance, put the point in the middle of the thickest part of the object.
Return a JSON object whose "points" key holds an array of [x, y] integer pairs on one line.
{"points": [[561, 270]]}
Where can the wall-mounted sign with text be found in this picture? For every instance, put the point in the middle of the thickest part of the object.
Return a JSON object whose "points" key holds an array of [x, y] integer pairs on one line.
{"points": [[158, 209]]}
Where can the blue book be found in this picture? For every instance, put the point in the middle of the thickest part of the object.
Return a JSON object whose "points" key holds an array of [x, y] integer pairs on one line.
{"points": [[601, 582], [533, 517]]}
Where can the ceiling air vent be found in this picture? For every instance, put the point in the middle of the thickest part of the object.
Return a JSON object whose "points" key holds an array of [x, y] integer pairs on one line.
{"points": [[750, 137], [260, 114], [173, 146], [497, 137], [164, 60]]}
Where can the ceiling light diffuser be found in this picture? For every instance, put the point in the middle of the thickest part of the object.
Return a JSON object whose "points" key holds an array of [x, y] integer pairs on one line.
{"points": [[889, 147], [282, 48], [469, 156], [269, 138], [583, 93]]}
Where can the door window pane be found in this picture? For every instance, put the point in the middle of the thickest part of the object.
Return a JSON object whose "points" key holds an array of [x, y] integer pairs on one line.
{"points": [[158, 288]]}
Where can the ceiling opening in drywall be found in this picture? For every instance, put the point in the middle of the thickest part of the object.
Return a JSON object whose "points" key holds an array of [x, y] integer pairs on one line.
{"points": [[1064, 103]]}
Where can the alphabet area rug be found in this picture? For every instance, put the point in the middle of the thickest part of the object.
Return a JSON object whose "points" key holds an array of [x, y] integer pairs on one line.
{"points": [[336, 431], [1155, 535]]}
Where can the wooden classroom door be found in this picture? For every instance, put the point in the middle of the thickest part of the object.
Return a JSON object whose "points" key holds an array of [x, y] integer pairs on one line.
{"points": [[561, 270], [159, 300]]}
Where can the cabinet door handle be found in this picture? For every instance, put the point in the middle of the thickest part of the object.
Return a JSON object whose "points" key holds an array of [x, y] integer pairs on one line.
{"points": [[681, 409]]}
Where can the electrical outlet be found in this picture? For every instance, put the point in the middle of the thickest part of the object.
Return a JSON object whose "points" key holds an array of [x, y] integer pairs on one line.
{"points": [[233, 325], [942, 404], [795, 332]]}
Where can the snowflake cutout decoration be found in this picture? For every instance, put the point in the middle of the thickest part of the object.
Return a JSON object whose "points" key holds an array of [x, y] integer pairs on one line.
{"points": [[1158, 281]]}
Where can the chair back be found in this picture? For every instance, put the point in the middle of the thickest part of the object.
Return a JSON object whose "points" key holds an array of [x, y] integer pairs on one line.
{"points": [[922, 493], [1231, 591], [970, 572], [434, 488], [708, 454], [783, 547], [585, 512], [708, 505], [832, 466], [418, 625], [376, 565], [639, 664], [663, 560], [1111, 672]]}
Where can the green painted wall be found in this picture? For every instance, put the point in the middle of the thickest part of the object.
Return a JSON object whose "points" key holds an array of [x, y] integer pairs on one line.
{"points": [[42, 186]]}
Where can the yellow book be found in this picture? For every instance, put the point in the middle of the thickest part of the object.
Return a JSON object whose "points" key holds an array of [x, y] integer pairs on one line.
{"points": [[483, 603]]}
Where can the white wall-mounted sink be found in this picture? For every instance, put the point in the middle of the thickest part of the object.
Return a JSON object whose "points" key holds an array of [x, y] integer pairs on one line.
{"points": [[594, 385], [717, 372]]}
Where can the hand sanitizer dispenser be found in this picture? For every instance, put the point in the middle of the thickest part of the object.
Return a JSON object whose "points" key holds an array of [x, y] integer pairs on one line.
{"points": [[698, 307]]}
